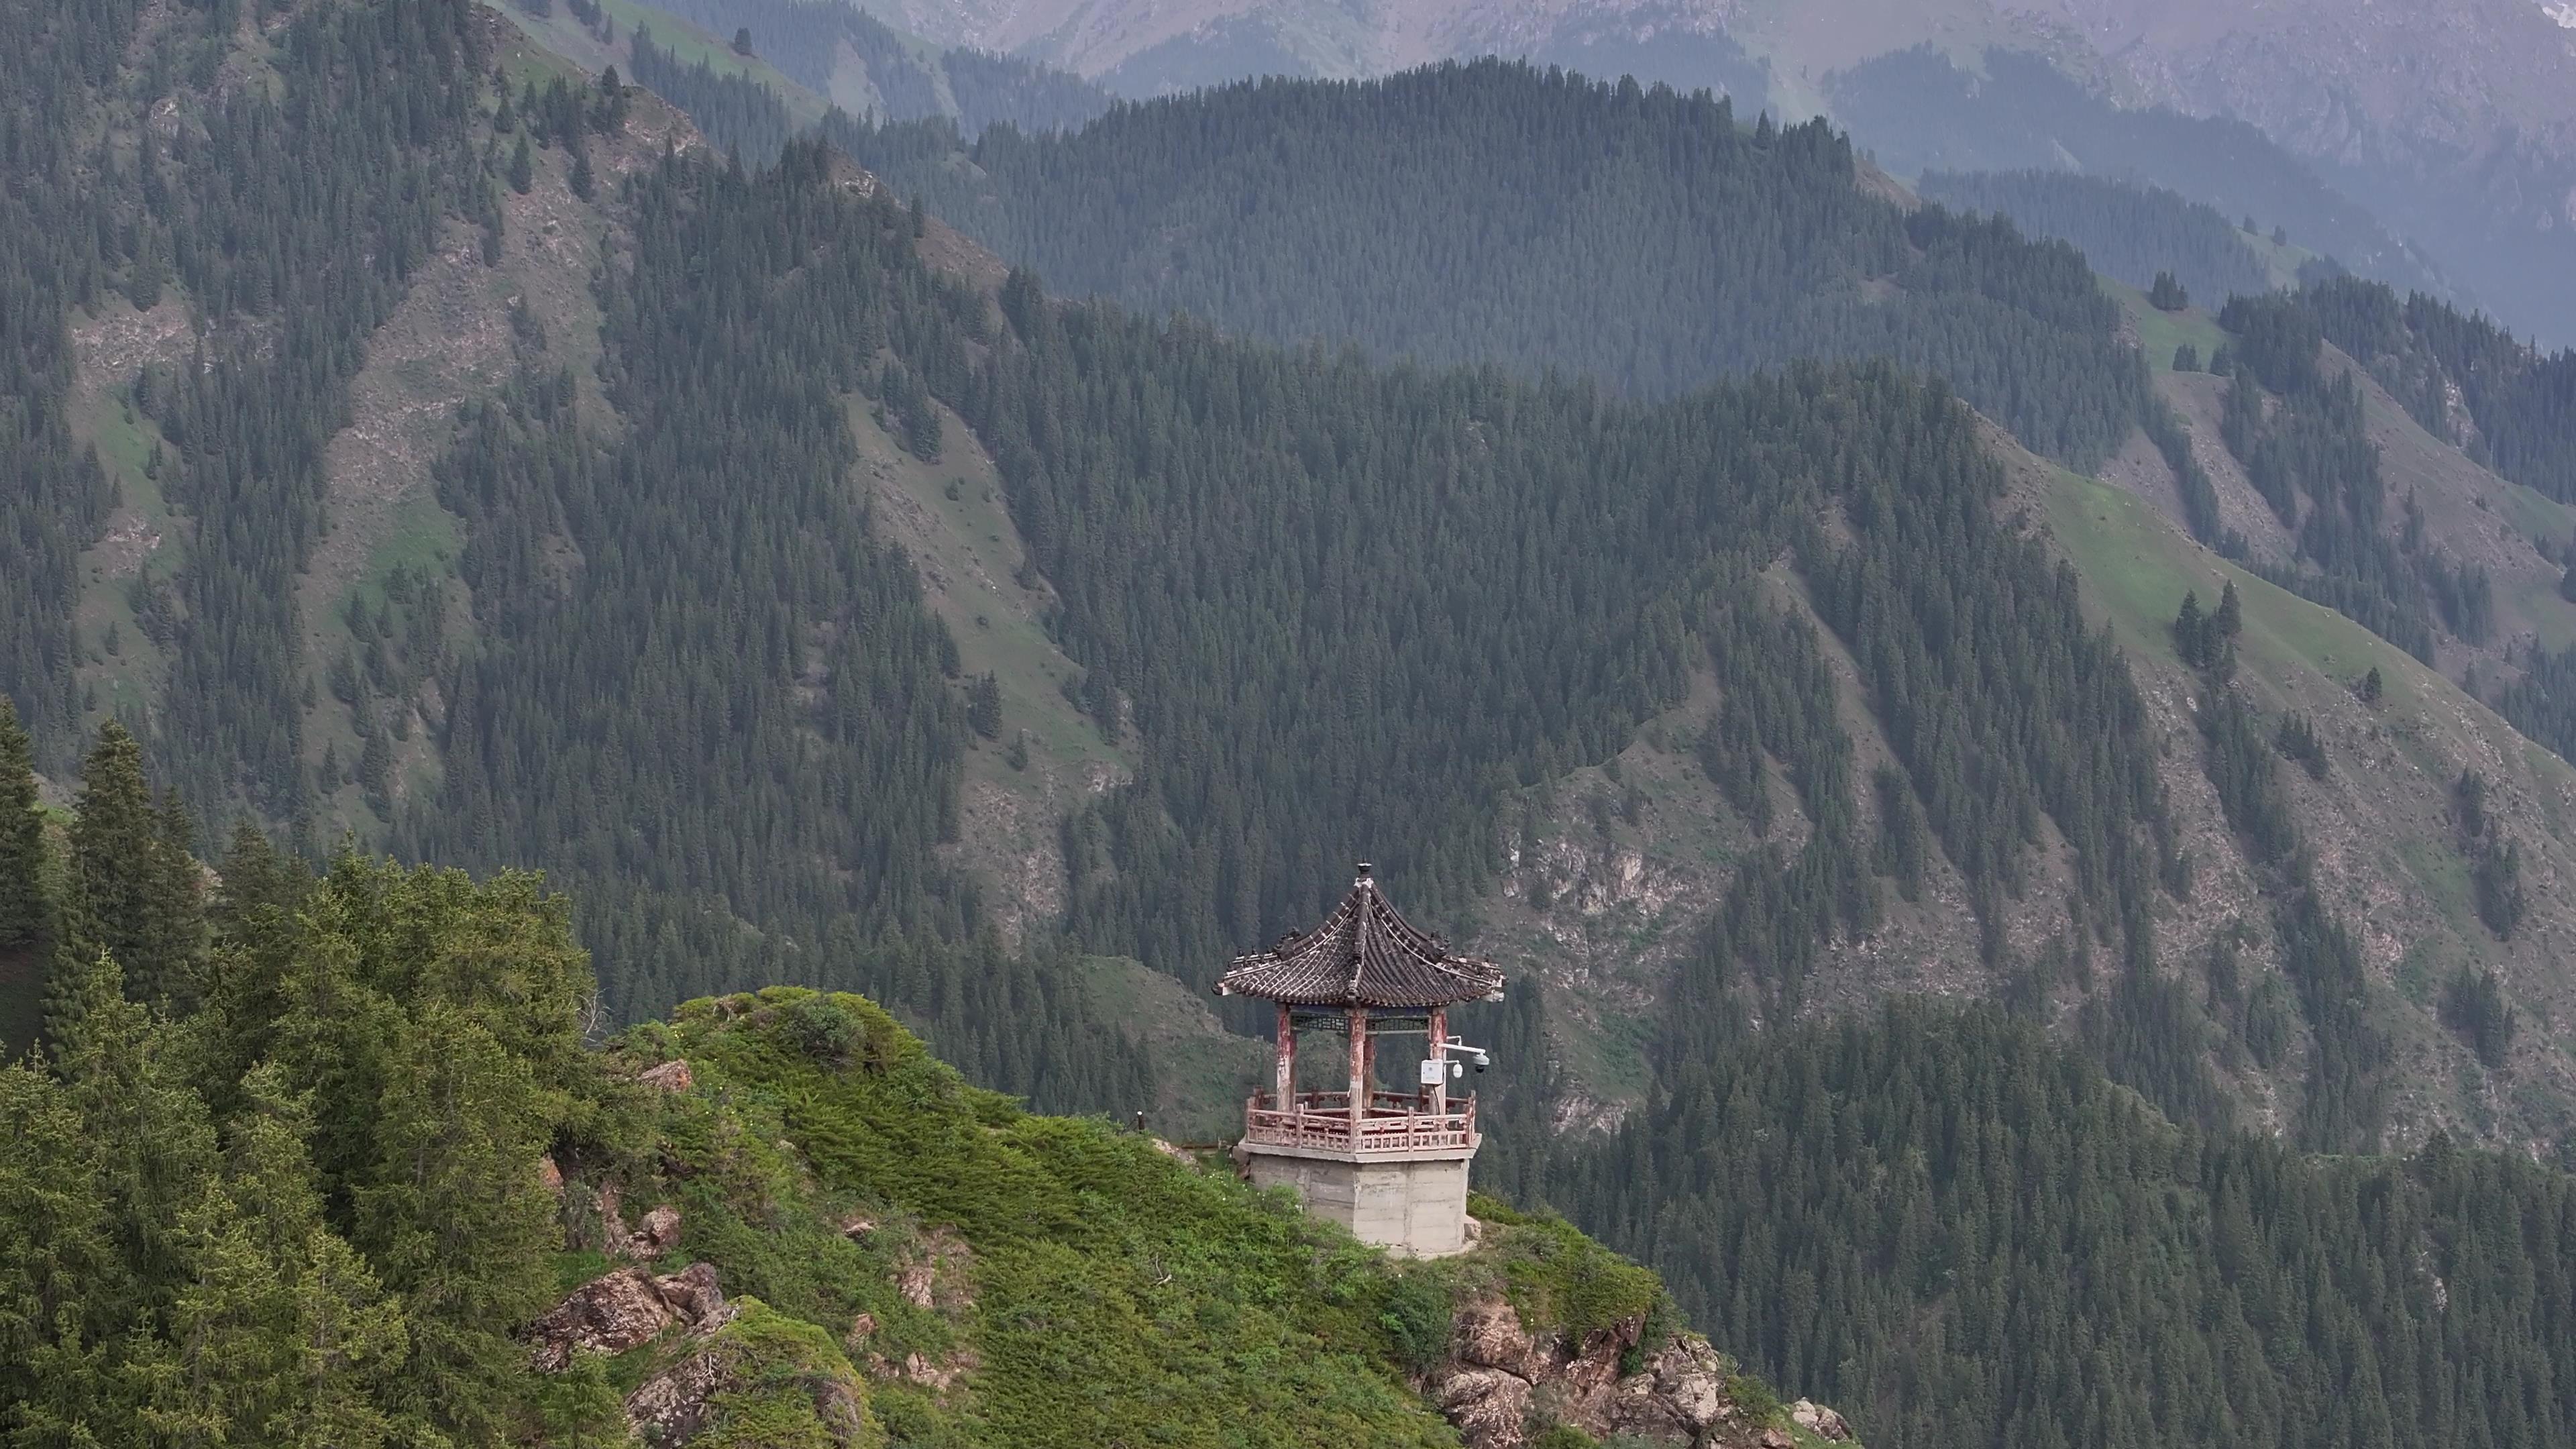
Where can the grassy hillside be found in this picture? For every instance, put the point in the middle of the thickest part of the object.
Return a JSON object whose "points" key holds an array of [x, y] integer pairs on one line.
{"points": [[993, 1277]]}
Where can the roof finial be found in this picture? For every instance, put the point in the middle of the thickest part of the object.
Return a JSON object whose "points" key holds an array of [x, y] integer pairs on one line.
{"points": [[1364, 873]]}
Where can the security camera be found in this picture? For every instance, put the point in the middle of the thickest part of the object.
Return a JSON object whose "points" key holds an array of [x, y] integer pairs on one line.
{"points": [[1483, 1061]]}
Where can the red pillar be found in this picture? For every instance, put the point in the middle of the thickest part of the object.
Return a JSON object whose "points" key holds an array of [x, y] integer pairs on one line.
{"points": [[1359, 1067], [1439, 1091], [1286, 1101]]}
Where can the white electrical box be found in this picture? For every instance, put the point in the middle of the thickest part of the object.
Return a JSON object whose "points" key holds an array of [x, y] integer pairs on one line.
{"points": [[1431, 1071]]}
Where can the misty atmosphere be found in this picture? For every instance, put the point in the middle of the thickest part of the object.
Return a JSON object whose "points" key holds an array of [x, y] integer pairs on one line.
{"points": [[1531, 725]]}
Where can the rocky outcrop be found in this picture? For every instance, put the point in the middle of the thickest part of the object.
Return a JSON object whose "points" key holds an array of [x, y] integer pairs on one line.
{"points": [[670, 1076], [801, 1390], [1501, 1384], [659, 1233], [935, 1274], [623, 1310], [1820, 1421], [606, 1315]]}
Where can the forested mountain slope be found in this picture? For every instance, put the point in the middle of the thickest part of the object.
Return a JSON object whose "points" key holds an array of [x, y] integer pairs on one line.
{"points": [[1498, 213], [2128, 232], [798, 582]]}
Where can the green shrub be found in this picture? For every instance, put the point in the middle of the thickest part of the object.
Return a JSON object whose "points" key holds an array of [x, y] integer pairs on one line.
{"points": [[1754, 1397], [1417, 1319]]}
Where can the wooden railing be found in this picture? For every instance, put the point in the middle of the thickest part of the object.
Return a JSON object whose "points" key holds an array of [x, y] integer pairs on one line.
{"points": [[1393, 1122]]}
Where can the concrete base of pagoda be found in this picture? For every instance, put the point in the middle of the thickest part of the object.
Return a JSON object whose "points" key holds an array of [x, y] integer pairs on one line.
{"points": [[1414, 1205]]}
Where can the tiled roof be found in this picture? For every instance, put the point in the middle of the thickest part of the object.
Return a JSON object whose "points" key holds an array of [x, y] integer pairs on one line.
{"points": [[1364, 954]]}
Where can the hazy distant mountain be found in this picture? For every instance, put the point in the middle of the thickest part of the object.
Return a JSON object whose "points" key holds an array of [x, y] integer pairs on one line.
{"points": [[2453, 121]]}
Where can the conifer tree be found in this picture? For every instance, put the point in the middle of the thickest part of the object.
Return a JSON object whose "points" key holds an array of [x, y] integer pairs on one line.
{"points": [[523, 167], [2191, 632], [59, 1268], [154, 1139], [176, 923], [454, 1218], [984, 705], [115, 839], [23, 908]]}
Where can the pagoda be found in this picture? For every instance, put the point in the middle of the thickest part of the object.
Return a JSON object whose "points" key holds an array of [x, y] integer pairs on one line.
{"points": [[1389, 1165]]}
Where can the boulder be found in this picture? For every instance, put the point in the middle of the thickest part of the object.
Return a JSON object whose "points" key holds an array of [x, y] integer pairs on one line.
{"points": [[606, 1315], [1820, 1421], [671, 1406], [670, 1076], [659, 1233], [1488, 1334], [1488, 1406], [820, 1403], [1498, 1380], [692, 1292], [1690, 1380]]}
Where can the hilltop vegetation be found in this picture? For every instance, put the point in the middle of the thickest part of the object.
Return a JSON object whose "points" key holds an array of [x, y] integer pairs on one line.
{"points": [[2130, 233]]}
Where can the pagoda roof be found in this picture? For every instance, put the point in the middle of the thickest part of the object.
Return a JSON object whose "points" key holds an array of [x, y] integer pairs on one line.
{"points": [[1363, 954]]}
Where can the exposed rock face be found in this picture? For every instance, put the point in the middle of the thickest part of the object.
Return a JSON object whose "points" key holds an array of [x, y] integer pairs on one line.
{"points": [[670, 1076], [806, 1398], [614, 1313], [659, 1233], [1820, 1421], [936, 1275], [605, 1315], [671, 1406], [692, 1294], [1499, 1383]]}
